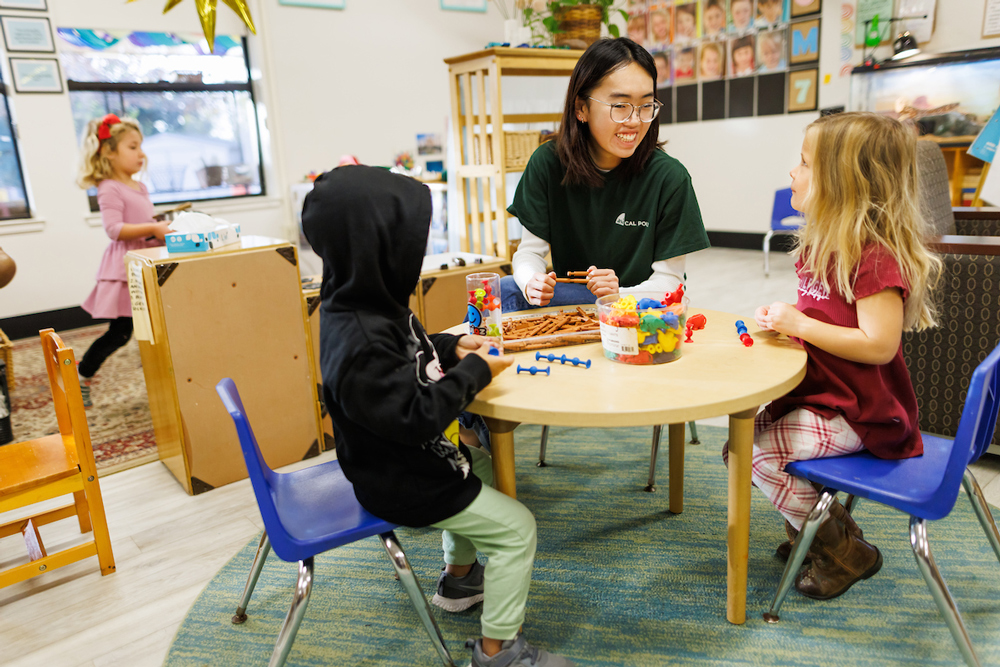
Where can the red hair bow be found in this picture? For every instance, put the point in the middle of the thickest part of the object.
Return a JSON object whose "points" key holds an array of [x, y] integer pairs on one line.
{"points": [[104, 130]]}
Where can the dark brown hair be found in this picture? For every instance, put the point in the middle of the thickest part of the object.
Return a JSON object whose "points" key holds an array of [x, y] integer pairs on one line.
{"points": [[573, 144]]}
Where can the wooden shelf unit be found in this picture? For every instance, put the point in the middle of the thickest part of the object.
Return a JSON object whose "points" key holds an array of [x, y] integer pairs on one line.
{"points": [[474, 81]]}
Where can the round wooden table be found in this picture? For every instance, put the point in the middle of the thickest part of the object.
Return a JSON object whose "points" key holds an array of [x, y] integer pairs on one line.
{"points": [[715, 375]]}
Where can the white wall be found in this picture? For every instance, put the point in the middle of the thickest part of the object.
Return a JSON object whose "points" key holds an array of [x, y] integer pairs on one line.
{"points": [[386, 55], [737, 164]]}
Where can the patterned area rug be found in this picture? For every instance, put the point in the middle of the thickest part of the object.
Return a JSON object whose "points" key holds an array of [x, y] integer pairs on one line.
{"points": [[120, 426], [618, 580]]}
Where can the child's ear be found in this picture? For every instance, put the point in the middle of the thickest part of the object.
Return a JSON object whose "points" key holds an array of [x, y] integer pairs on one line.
{"points": [[582, 113]]}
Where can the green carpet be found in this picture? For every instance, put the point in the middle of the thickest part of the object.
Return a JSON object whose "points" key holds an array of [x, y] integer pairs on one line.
{"points": [[618, 580]]}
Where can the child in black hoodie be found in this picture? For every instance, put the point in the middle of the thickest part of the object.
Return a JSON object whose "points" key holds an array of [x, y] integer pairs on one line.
{"points": [[394, 394]]}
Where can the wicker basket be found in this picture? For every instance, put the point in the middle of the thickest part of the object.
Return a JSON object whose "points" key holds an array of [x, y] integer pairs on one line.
{"points": [[579, 23], [518, 147], [7, 349]]}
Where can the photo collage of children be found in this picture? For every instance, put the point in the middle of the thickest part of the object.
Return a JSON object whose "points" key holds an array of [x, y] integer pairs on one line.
{"points": [[696, 41]]}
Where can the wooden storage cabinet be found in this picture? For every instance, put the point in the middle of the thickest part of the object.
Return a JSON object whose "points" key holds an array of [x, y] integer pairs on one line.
{"points": [[483, 150], [234, 312]]}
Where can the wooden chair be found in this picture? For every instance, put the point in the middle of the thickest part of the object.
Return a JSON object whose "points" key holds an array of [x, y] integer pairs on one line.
{"points": [[33, 471]]}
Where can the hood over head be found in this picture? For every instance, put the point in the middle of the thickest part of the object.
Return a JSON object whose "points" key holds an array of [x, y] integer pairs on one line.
{"points": [[370, 227]]}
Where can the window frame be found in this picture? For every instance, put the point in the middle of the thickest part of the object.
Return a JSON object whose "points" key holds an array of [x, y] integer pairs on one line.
{"points": [[17, 154], [186, 87]]}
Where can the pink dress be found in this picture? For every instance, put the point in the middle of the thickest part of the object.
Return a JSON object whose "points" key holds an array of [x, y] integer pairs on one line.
{"points": [[120, 205]]}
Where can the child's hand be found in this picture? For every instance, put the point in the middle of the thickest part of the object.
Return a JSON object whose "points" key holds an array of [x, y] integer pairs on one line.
{"points": [[497, 363], [761, 318], [783, 318], [540, 289], [162, 229], [469, 343], [602, 282]]}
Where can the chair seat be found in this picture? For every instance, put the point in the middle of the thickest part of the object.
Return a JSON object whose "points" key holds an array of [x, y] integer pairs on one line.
{"points": [[35, 463], [910, 485], [319, 511]]}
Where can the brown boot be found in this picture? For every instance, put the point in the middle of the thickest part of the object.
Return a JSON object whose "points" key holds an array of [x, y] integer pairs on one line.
{"points": [[841, 557], [784, 549]]}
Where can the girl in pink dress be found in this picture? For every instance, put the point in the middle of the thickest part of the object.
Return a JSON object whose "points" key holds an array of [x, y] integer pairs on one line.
{"points": [[111, 156]]}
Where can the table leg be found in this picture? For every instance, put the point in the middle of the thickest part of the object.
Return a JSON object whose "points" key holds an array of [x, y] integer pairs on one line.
{"points": [[676, 468], [740, 458], [502, 450]]}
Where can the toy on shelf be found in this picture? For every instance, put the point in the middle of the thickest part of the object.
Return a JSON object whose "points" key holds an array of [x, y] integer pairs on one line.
{"points": [[576, 361], [694, 323], [741, 329], [534, 369]]}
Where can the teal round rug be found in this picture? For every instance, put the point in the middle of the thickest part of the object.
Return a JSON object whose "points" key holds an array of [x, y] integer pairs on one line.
{"points": [[618, 580]]}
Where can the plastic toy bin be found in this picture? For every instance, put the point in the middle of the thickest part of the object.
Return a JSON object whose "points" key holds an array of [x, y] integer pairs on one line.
{"points": [[638, 329]]}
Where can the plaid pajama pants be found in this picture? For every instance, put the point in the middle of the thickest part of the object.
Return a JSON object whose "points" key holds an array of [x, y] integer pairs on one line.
{"points": [[800, 435]]}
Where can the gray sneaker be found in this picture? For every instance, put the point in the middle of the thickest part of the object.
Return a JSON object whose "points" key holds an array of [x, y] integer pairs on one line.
{"points": [[517, 652], [460, 593], [85, 392]]}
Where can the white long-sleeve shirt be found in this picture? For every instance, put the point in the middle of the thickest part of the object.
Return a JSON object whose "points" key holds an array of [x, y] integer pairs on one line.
{"points": [[666, 274]]}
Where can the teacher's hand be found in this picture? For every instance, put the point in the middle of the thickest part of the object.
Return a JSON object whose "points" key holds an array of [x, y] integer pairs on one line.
{"points": [[602, 282], [540, 289]]}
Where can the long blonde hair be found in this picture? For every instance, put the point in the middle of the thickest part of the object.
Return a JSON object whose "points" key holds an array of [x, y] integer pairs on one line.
{"points": [[863, 191], [94, 164]]}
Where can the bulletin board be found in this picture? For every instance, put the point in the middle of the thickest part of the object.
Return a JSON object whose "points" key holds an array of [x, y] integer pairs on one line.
{"points": [[718, 59]]}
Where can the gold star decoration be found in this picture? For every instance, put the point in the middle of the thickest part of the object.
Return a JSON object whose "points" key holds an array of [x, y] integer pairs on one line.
{"points": [[206, 14]]}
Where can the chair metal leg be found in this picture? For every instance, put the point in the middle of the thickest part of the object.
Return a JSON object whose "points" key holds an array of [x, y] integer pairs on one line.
{"points": [[939, 590], [258, 564], [982, 510], [651, 483], [541, 451], [850, 502], [767, 250], [816, 516], [291, 625], [409, 580], [694, 434]]}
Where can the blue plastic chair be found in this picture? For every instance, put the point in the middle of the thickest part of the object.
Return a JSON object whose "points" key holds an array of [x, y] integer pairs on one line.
{"points": [[925, 487], [780, 223], [305, 513]]}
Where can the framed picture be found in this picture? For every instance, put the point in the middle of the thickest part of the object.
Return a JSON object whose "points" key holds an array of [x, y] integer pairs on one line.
{"points": [[33, 5], [464, 5], [27, 34], [322, 4], [804, 38], [802, 90], [805, 7], [36, 75]]}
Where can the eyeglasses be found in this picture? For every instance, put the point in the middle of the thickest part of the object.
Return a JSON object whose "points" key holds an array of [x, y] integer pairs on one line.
{"points": [[622, 111]]}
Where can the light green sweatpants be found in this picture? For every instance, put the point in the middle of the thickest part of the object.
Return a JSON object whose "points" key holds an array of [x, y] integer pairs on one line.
{"points": [[504, 530]]}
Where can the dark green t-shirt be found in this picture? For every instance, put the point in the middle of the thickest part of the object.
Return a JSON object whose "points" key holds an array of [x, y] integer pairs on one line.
{"points": [[625, 225]]}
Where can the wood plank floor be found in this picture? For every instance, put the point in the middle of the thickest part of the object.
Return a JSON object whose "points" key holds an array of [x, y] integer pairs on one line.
{"points": [[168, 545]]}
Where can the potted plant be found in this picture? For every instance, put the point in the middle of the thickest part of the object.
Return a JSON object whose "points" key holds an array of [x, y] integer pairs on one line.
{"points": [[575, 23]]}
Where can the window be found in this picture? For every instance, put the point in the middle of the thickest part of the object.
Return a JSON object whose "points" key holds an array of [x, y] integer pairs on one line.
{"points": [[196, 109], [13, 200]]}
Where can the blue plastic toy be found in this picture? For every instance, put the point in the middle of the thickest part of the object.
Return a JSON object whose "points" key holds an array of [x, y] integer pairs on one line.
{"points": [[741, 331], [576, 361], [534, 369], [495, 351]]}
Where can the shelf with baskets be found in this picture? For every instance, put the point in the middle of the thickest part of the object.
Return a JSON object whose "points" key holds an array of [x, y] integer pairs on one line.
{"points": [[485, 152]]}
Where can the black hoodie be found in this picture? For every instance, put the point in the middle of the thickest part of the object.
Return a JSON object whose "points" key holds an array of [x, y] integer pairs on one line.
{"points": [[392, 390]]}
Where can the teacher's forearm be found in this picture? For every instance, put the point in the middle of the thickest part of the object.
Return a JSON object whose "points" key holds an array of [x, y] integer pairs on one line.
{"points": [[137, 231]]}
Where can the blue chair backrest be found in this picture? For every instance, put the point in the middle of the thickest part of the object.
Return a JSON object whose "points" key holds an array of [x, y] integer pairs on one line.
{"points": [[783, 209], [975, 429], [262, 478]]}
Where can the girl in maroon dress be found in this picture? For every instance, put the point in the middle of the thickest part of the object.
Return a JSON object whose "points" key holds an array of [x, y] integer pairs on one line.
{"points": [[111, 156], [864, 273]]}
